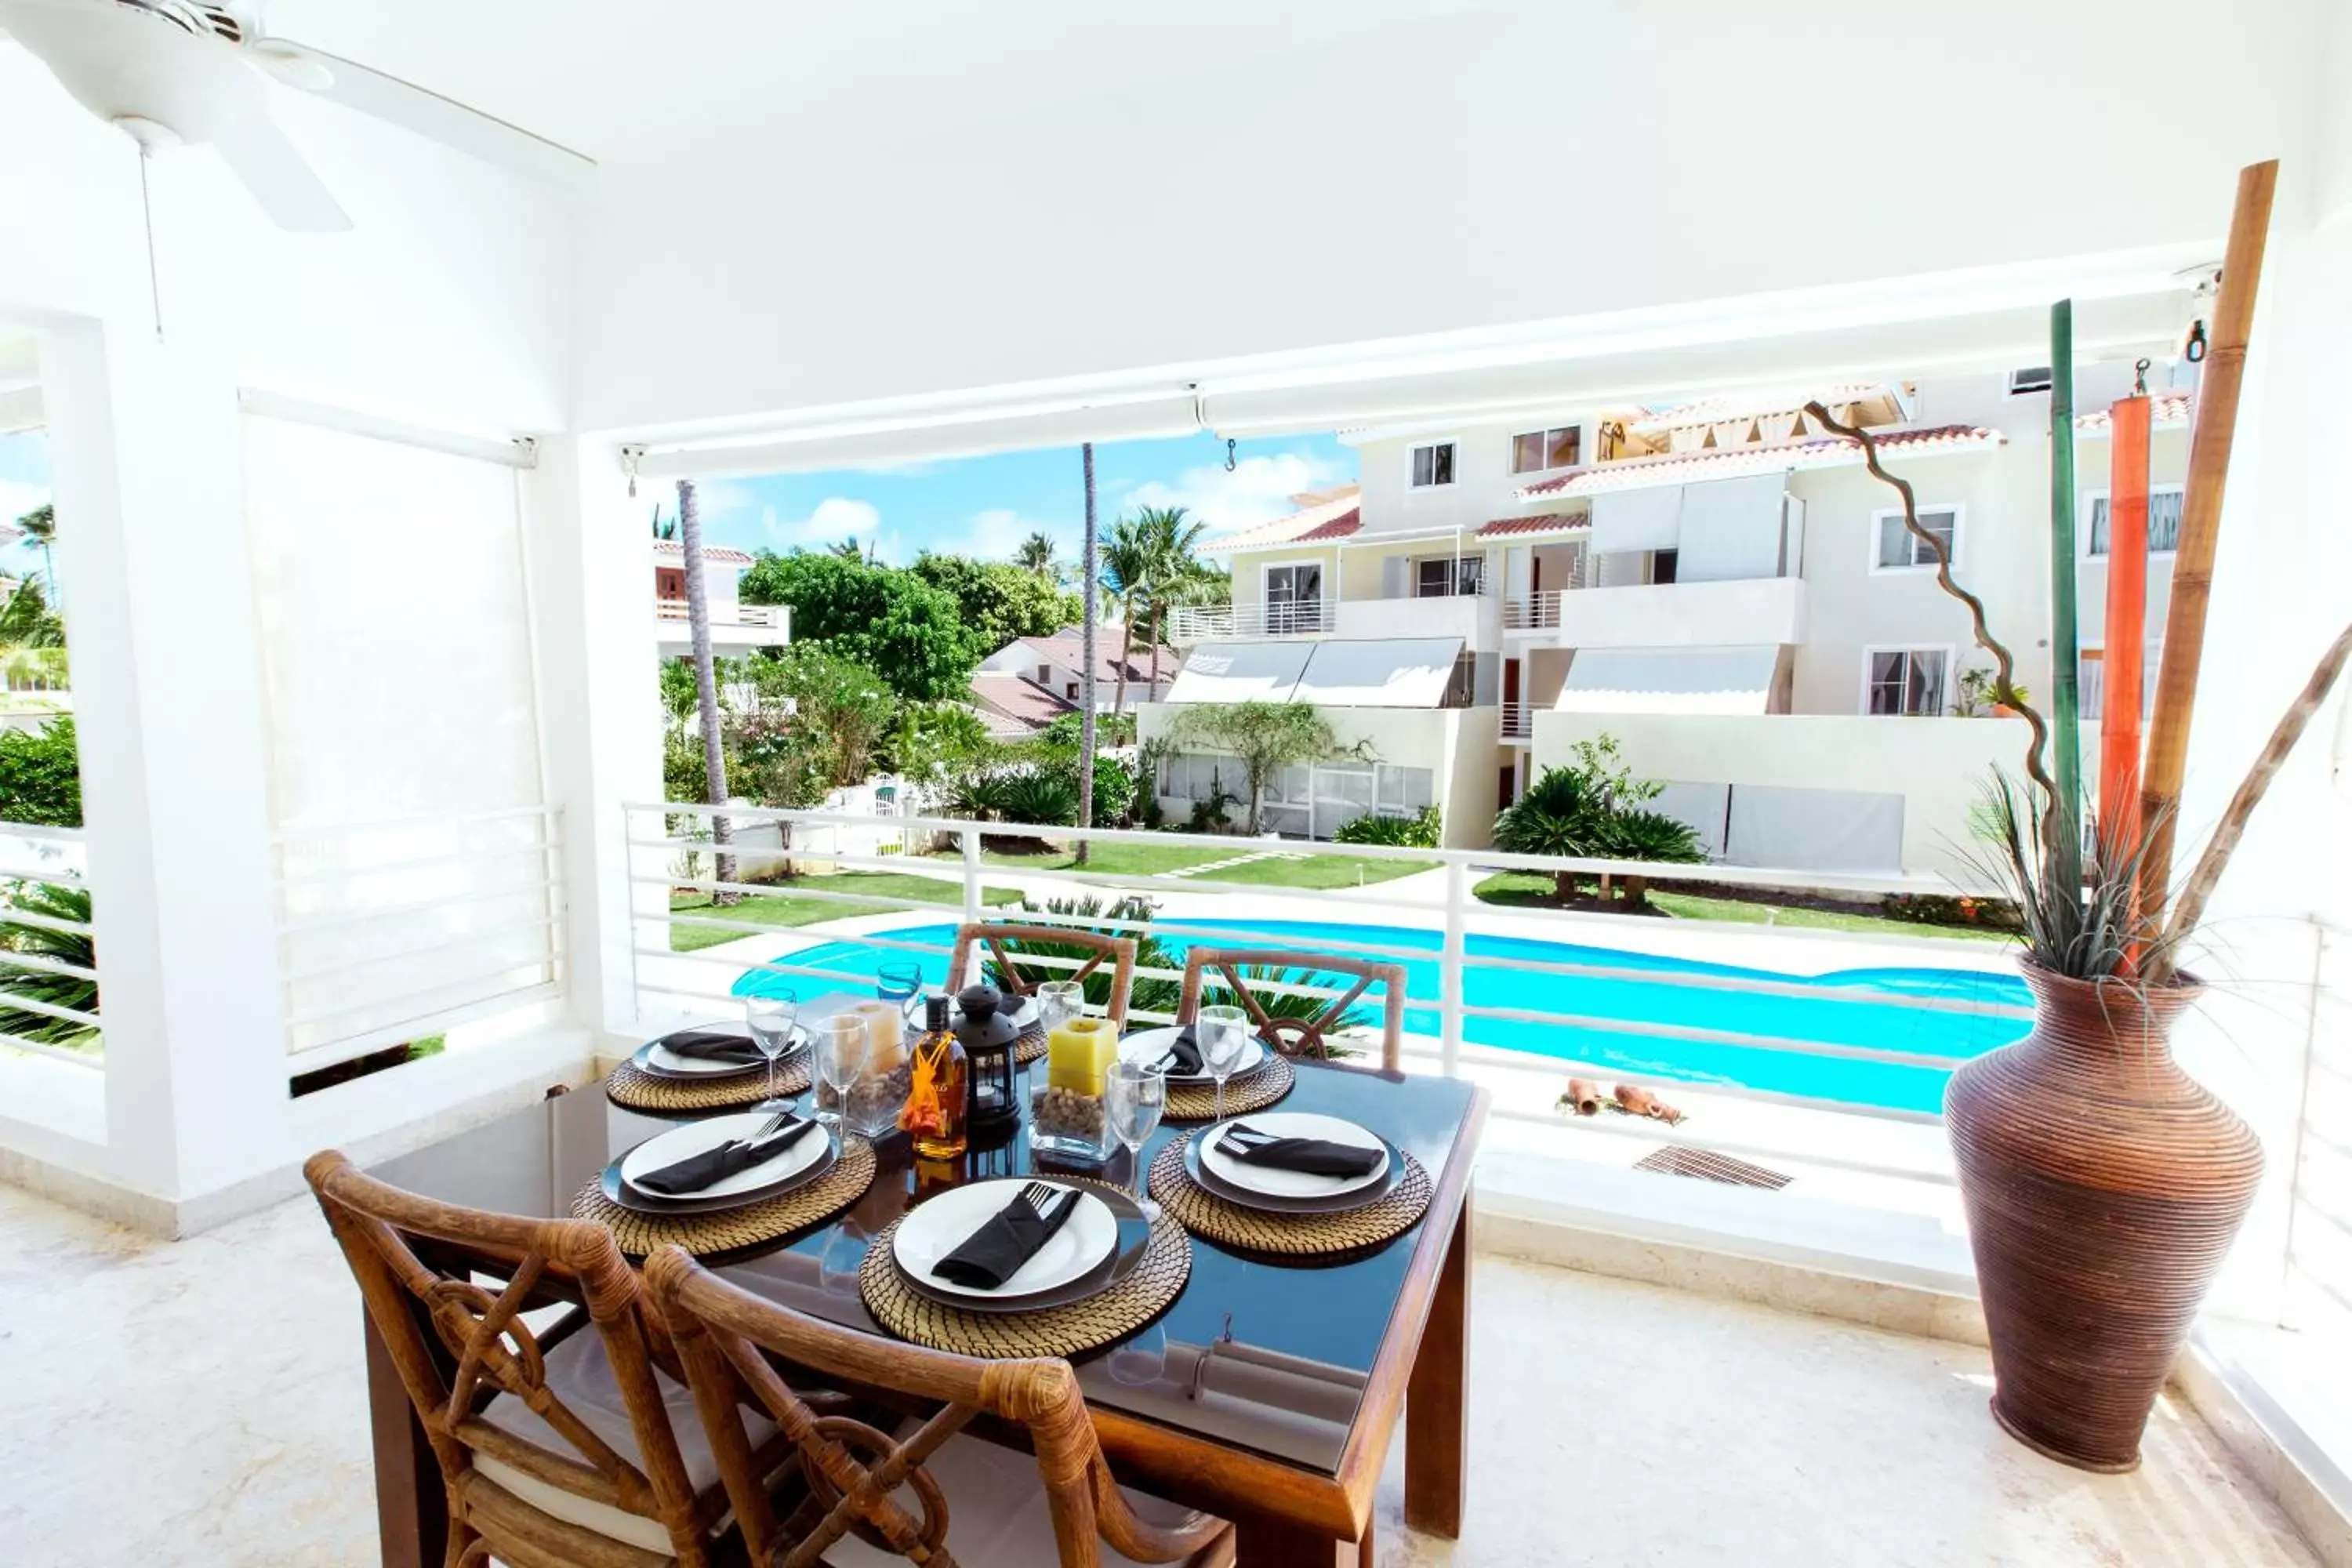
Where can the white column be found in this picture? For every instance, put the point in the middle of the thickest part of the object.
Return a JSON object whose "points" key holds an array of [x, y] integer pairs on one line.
{"points": [[167, 687]]}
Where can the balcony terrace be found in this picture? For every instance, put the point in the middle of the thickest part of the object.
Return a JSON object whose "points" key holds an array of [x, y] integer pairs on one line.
{"points": [[1762, 611]]}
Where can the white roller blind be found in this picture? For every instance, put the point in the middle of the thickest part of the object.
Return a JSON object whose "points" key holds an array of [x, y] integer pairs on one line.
{"points": [[1731, 529], [415, 854], [1637, 519]]}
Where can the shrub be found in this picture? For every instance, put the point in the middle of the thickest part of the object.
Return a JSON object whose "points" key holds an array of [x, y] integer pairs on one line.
{"points": [[40, 776], [1150, 994], [1943, 910], [1650, 835], [1042, 799], [46, 985], [1421, 832]]}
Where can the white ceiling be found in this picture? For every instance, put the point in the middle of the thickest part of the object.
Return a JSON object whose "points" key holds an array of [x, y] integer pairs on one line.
{"points": [[698, 88]]}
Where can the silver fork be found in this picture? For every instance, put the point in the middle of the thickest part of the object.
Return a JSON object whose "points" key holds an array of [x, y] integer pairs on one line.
{"points": [[768, 1129], [1040, 1197]]}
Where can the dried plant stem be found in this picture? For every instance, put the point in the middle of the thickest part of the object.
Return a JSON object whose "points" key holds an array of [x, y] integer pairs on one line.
{"points": [[2190, 905], [2004, 665]]}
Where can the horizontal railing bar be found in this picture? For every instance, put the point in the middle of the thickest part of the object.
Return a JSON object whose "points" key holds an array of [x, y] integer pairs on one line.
{"points": [[705, 955], [10, 914], [473, 896], [463, 939], [422, 819], [447, 857], [45, 830], [547, 962], [1658, 1133], [1502, 1058], [395, 1031], [93, 1060], [58, 877], [46, 965], [47, 1009], [757, 890]]}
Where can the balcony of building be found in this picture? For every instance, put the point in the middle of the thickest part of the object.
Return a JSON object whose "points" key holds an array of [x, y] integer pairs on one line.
{"points": [[1764, 610], [735, 628]]}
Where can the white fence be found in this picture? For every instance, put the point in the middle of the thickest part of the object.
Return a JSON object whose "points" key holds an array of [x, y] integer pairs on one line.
{"points": [[34, 857], [1473, 972], [395, 930]]}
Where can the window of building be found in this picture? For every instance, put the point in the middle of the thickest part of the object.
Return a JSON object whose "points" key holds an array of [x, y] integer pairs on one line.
{"points": [[2091, 682], [1433, 465], [1895, 549], [1294, 598], [1044, 675], [1070, 689], [1537, 450], [2163, 520], [1442, 576], [1903, 681], [2032, 378]]}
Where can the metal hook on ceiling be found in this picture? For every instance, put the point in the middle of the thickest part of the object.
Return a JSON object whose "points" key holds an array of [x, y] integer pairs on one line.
{"points": [[2139, 378], [629, 458], [2194, 350], [1230, 463]]}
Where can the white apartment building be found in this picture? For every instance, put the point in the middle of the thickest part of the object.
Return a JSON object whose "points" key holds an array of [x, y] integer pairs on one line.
{"points": [[736, 628], [1723, 589]]}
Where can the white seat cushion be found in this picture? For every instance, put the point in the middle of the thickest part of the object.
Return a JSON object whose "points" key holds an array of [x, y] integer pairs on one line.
{"points": [[579, 1375], [997, 1515]]}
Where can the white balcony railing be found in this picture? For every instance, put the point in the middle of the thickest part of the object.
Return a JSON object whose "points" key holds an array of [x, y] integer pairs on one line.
{"points": [[44, 1008], [1532, 612], [1765, 1047], [1213, 623], [763, 617], [1758, 611], [1518, 719]]}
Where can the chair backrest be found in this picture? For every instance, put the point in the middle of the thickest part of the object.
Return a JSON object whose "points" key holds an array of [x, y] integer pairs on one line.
{"points": [[494, 1350], [1007, 943], [1297, 1035], [854, 1470]]}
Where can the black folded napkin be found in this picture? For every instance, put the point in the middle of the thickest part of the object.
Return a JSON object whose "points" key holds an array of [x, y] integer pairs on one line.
{"points": [[712, 1045], [692, 1174], [1183, 1054], [996, 1252], [1311, 1156]]}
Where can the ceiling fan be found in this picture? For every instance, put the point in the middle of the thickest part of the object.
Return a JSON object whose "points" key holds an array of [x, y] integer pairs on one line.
{"points": [[173, 71]]}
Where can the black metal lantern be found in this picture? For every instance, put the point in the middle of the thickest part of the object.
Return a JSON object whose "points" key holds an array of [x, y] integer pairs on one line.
{"points": [[990, 1042]]}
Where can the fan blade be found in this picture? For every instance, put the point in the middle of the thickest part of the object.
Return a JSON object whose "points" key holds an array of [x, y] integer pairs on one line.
{"points": [[427, 112], [288, 190]]}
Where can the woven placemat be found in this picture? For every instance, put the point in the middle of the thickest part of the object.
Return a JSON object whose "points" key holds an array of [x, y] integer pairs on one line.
{"points": [[1081, 1326], [1198, 1102], [729, 1230], [634, 1090], [1292, 1235]]}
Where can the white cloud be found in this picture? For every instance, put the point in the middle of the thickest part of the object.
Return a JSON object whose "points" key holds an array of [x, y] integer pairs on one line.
{"points": [[837, 518], [719, 498], [1257, 490], [17, 497], [998, 531]]}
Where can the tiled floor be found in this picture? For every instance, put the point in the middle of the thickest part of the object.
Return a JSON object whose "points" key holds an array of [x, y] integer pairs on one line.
{"points": [[201, 1403]]}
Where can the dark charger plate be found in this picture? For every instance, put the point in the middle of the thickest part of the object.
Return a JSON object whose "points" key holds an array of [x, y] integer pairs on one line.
{"points": [[1134, 1234], [629, 1198], [641, 1057], [1269, 1202]]}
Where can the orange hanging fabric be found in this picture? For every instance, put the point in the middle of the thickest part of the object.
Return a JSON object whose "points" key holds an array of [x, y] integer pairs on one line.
{"points": [[2126, 651]]}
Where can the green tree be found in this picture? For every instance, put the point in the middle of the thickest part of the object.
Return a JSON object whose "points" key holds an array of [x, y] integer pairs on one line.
{"points": [[998, 602], [40, 526], [1127, 575], [40, 776], [840, 709], [1035, 555], [1563, 814], [932, 742], [885, 617], [1263, 737], [705, 682], [1171, 571]]}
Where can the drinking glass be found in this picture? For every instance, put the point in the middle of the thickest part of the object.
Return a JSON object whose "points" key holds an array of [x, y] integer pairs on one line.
{"points": [[1134, 1095], [842, 1045], [900, 981], [771, 1017], [1224, 1037], [1058, 1001]]}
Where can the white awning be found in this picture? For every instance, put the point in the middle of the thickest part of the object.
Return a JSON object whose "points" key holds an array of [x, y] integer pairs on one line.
{"points": [[1670, 680], [1240, 672], [1402, 673], [1637, 519]]}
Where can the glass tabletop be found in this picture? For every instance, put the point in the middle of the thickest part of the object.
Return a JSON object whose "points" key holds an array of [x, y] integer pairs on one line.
{"points": [[1262, 1353]]}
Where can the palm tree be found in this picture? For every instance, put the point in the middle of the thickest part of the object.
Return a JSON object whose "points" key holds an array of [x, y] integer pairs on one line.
{"points": [[1168, 539], [1129, 569], [1562, 813], [1090, 583], [1035, 555], [664, 528], [40, 526], [705, 682]]}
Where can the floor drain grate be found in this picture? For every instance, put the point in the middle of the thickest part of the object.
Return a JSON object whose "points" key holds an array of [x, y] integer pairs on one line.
{"points": [[1709, 1166]]}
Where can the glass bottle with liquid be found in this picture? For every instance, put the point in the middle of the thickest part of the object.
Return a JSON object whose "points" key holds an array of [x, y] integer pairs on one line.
{"points": [[937, 1096]]}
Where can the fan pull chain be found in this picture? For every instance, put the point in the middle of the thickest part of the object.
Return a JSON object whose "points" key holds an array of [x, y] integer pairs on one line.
{"points": [[154, 278]]}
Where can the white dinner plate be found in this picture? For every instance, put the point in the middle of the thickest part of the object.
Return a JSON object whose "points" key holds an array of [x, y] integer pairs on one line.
{"points": [[1150, 1045], [663, 1058], [946, 1222], [1254, 1178], [695, 1137]]}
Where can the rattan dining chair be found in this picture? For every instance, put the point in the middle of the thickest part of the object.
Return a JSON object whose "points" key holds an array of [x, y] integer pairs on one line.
{"points": [[1296, 1036], [879, 1498], [571, 1450], [1004, 943]]}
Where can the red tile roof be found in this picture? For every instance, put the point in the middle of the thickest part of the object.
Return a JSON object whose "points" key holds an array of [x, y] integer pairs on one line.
{"points": [[1018, 698], [2166, 408], [1549, 522], [1066, 648], [1332, 515], [671, 548], [1728, 462]]}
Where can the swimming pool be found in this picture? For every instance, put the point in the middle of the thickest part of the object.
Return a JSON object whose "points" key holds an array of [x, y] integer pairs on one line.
{"points": [[1851, 1007]]}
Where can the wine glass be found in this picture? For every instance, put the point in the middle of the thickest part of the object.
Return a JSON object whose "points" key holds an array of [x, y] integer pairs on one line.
{"points": [[900, 981], [1224, 1037], [1058, 1001], [771, 1017], [842, 1045], [1134, 1095]]}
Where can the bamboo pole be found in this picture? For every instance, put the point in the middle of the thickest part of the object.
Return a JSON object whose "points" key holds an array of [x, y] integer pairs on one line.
{"points": [[2063, 834], [2200, 522], [2123, 661]]}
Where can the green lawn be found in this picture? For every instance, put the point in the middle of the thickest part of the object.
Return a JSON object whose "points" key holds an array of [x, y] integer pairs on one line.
{"points": [[1159, 859], [1533, 889], [784, 909]]}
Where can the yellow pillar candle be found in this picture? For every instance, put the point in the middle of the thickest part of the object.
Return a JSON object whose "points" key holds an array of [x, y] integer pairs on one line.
{"points": [[886, 1028], [1079, 1053]]}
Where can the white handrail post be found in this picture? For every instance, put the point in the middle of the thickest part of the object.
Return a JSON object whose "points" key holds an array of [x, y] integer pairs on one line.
{"points": [[971, 838], [1449, 971]]}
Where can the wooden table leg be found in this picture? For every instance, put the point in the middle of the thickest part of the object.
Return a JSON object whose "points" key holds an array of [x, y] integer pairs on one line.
{"points": [[411, 1506], [1436, 1400], [1267, 1542]]}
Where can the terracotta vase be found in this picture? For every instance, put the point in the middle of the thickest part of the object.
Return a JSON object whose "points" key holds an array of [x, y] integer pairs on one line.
{"points": [[2103, 1186]]}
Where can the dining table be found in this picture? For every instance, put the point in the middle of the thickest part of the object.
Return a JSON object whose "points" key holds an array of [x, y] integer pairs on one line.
{"points": [[1268, 1391]]}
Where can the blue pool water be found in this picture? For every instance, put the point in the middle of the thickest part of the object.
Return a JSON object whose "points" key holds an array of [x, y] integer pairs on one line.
{"points": [[1851, 1007]]}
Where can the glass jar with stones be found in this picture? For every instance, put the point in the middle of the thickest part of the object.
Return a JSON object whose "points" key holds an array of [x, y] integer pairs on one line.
{"points": [[873, 1102], [1066, 1117]]}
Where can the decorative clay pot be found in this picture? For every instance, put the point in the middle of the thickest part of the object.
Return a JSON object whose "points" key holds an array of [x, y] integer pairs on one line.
{"points": [[2103, 1186]]}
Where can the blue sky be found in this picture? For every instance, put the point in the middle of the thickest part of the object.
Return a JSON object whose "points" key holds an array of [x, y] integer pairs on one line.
{"points": [[24, 485], [985, 506]]}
